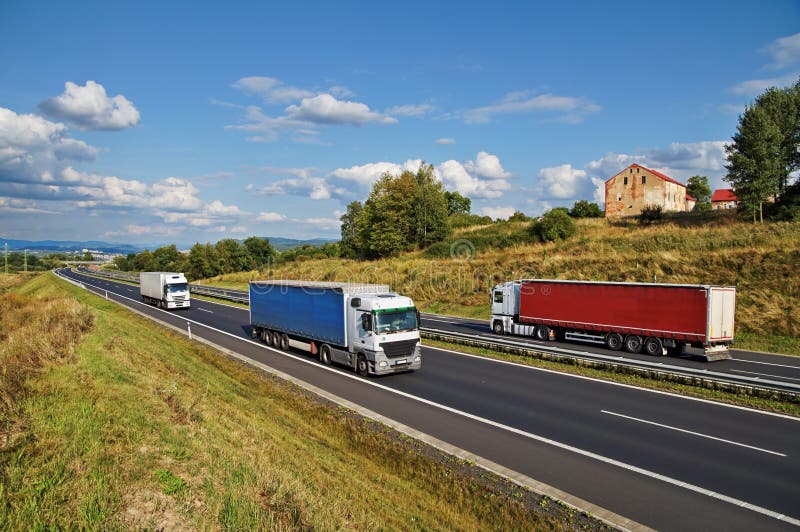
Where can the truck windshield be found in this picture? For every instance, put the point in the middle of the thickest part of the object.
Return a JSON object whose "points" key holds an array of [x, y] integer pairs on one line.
{"points": [[177, 287], [393, 320]]}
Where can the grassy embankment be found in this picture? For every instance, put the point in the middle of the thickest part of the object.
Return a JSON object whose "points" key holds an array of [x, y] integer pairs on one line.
{"points": [[760, 260], [109, 421]]}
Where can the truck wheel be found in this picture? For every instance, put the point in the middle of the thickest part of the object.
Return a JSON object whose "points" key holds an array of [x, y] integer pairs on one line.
{"points": [[633, 343], [284, 342], [325, 354], [362, 366], [274, 339], [653, 347], [614, 341], [542, 333], [497, 327]]}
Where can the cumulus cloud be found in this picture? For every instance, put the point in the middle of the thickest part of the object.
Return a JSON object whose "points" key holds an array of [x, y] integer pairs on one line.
{"points": [[487, 165], [457, 176], [566, 108], [366, 174], [785, 51], [562, 181], [498, 213], [89, 107], [325, 109], [303, 183], [12, 205], [272, 90], [445, 141], [160, 230], [270, 217]]}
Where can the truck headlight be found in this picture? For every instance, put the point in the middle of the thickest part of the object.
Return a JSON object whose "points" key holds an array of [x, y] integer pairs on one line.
{"points": [[382, 364], [417, 359]]}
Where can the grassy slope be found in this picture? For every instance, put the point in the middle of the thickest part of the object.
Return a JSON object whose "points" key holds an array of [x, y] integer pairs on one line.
{"points": [[142, 428], [760, 260]]}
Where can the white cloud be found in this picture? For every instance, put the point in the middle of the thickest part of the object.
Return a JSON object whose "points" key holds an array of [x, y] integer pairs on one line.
{"points": [[320, 223], [445, 141], [487, 165], [270, 217], [341, 92], [498, 212], [366, 174], [562, 181], [240, 229], [325, 109], [568, 109], [456, 176], [410, 110], [256, 84], [272, 90], [89, 107], [150, 230], [18, 206], [304, 183], [753, 87], [785, 51]]}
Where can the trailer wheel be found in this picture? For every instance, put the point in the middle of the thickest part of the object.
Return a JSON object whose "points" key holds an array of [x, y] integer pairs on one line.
{"points": [[325, 354], [284, 342], [497, 327], [614, 341], [362, 366], [653, 347], [274, 339], [633, 343], [542, 333]]}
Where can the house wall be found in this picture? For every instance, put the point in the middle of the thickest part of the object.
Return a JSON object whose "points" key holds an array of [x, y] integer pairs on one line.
{"points": [[721, 205], [628, 199]]}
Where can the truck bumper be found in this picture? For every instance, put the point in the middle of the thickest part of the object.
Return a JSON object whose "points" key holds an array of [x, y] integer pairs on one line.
{"points": [[383, 365], [179, 304]]}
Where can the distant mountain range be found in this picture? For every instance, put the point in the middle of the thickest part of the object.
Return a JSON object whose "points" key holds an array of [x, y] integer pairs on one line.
{"points": [[279, 243]]}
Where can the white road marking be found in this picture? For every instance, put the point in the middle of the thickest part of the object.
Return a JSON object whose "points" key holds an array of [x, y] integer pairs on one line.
{"points": [[542, 439], [766, 363], [443, 321], [692, 433], [206, 310], [765, 375]]}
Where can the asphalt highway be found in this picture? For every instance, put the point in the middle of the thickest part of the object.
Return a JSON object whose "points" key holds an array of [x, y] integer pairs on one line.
{"points": [[665, 461]]}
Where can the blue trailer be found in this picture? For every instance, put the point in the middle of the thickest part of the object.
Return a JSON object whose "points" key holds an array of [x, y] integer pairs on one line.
{"points": [[364, 326]]}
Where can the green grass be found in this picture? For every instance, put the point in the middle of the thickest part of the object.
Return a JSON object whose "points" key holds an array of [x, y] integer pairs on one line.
{"points": [[136, 427]]}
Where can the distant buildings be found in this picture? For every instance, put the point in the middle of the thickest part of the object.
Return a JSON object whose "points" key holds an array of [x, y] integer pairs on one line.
{"points": [[637, 187], [724, 198]]}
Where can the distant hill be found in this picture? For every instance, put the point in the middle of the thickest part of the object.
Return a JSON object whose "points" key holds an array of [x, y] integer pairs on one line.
{"points": [[282, 244], [69, 245]]}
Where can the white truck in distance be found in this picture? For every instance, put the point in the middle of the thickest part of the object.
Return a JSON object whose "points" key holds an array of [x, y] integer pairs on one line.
{"points": [[164, 289]]}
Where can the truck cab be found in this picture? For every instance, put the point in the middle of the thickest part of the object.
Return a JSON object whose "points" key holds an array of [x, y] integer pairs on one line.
{"points": [[384, 330]]}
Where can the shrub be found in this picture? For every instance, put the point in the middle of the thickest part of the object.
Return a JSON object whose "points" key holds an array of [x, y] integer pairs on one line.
{"points": [[650, 214], [554, 225]]}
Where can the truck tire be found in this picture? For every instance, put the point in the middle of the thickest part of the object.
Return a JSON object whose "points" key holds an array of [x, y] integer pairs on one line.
{"points": [[362, 366], [497, 327], [633, 343], [614, 341], [542, 333], [284, 340], [274, 339], [653, 347], [325, 354]]}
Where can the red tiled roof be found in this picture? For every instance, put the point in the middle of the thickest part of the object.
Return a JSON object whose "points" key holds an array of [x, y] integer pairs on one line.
{"points": [[724, 194], [659, 174], [689, 198]]}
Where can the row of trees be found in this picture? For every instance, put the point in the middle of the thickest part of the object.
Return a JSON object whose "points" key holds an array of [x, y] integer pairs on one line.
{"points": [[203, 260], [764, 157]]}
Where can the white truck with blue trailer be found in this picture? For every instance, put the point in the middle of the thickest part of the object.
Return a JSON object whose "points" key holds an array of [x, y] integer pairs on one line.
{"points": [[363, 326], [166, 290]]}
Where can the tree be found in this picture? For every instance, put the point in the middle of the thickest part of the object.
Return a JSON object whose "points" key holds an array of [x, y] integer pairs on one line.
{"points": [[233, 257], [585, 209], [555, 224], [87, 256], [782, 106], [350, 245], [144, 262], [202, 262], [698, 188], [260, 251], [168, 259], [519, 216], [457, 204], [754, 160], [429, 209]]}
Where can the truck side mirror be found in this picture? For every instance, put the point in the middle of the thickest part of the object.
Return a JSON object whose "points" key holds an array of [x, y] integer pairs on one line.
{"points": [[355, 302], [366, 321]]}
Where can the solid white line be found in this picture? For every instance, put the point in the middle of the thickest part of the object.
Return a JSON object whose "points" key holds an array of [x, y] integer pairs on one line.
{"points": [[443, 321], [588, 454], [765, 374], [767, 363], [692, 433]]}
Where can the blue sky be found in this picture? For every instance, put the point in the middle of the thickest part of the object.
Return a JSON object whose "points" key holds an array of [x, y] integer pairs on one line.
{"points": [[178, 122]]}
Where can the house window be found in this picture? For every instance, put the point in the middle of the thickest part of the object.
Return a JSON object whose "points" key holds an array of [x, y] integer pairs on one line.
{"points": [[643, 178], [619, 197], [637, 170], [631, 171], [626, 180]]}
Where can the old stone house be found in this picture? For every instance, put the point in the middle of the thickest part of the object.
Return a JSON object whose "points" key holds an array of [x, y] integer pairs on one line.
{"points": [[724, 198], [636, 187]]}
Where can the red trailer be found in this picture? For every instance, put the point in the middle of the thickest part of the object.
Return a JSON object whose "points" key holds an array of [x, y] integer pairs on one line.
{"points": [[656, 318]]}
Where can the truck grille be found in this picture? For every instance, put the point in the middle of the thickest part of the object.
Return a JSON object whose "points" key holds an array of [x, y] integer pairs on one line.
{"points": [[402, 348]]}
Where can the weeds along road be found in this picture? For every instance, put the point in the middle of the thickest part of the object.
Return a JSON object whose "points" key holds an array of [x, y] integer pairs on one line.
{"points": [[665, 461], [744, 363]]}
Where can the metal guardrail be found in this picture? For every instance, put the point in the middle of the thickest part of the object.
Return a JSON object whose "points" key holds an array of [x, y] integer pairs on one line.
{"points": [[689, 375]]}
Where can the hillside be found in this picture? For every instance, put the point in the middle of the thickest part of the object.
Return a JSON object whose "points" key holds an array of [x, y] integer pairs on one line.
{"points": [[760, 260]]}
